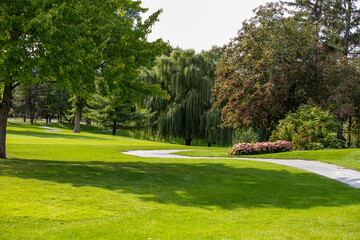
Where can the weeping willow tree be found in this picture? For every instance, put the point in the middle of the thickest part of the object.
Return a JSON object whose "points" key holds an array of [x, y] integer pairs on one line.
{"points": [[186, 114]]}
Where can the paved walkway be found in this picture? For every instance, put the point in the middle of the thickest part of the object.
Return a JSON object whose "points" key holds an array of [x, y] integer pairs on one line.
{"points": [[348, 176], [50, 129]]}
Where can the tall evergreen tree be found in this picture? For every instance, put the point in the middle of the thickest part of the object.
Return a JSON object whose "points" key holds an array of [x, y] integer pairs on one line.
{"points": [[119, 111]]}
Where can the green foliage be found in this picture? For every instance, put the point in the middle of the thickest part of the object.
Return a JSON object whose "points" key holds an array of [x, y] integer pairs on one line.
{"points": [[267, 70], [114, 111], [245, 135], [300, 142], [45, 101], [110, 113], [306, 126], [188, 79], [284, 131], [211, 132], [72, 42], [332, 141], [283, 58]]}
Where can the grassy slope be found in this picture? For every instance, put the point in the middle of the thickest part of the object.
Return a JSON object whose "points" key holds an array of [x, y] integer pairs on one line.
{"points": [[67, 186]]}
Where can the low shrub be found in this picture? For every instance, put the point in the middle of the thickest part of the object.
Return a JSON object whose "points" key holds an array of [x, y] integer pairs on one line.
{"points": [[332, 141], [308, 128], [242, 149], [300, 142], [283, 146], [260, 148], [315, 146]]}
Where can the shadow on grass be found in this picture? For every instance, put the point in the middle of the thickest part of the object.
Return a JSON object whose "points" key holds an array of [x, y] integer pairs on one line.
{"points": [[45, 135], [202, 185]]}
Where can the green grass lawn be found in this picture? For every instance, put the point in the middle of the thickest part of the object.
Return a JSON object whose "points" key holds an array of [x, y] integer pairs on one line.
{"points": [[80, 186], [348, 158]]}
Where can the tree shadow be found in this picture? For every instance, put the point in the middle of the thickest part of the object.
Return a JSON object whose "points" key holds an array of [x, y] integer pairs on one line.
{"points": [[202, 185], [44, 134]]}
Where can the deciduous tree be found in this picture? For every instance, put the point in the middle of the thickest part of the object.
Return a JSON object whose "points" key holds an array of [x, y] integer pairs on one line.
{"points": [[188, 78], [70, 42]]}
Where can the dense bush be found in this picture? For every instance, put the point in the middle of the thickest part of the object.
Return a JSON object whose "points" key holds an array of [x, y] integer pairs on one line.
{"points": [[309, 128], [248, 135], [300, 142], [242, 149], [332, 141], [260, 148]]}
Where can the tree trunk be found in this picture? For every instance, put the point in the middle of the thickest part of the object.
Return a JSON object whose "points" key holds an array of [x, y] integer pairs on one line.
{"points": [[32, 116], [188, 141], [77, 114], [114, 128], [347, 27], [340, 131], [4, 112], [47, 120], [348, 143], [88, 122], [24, 118]]}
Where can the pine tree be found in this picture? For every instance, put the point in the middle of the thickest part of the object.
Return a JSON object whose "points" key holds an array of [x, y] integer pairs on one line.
{"points": [[115, 112]]}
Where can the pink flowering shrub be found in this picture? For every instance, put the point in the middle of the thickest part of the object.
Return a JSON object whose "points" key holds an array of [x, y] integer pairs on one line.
{"points": [[283, 146], [242, 149], [260, 148]]}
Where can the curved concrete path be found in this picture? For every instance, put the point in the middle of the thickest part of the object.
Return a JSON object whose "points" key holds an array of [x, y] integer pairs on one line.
{"points": [[50, 129], [348, 176]]}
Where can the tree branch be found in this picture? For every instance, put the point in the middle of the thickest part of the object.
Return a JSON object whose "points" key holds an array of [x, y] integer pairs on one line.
{"points": [[15, 85]]}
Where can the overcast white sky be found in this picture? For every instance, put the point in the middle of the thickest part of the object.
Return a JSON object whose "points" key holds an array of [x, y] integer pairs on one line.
{"points": [[200, 24]]}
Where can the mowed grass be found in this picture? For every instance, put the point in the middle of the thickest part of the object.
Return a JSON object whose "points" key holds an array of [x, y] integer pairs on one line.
{"points": [[60, 185], [348, 158]]}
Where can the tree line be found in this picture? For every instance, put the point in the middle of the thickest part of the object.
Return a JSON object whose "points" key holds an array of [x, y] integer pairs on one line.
{"points": [[93, 61], [289, 54]]}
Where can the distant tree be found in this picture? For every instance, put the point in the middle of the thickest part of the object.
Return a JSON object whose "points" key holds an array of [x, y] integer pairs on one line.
{"points": [[18, 104], [44, 100], [61, 105]]}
